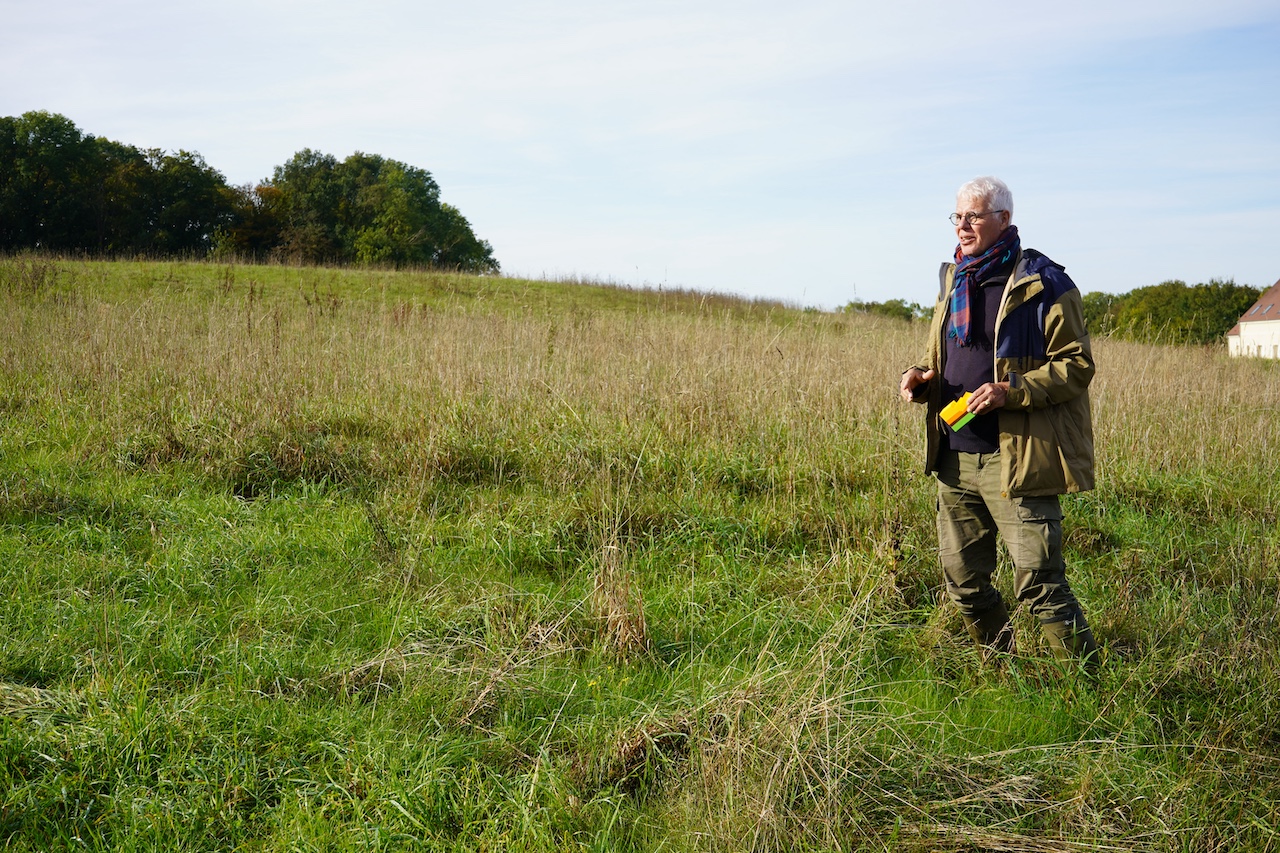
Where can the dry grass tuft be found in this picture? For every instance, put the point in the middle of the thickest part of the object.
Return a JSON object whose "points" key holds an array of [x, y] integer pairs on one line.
{"points": [[617, 604], [18, 700], [639, 757]]}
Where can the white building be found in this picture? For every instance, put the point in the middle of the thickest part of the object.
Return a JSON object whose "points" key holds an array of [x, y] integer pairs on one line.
{"points": [[1258, 331]]}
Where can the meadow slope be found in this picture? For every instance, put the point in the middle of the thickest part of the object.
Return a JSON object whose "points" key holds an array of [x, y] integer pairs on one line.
{"points": [[314, 559]]}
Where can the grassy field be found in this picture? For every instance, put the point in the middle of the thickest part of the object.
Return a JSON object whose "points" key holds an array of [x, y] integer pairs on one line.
{"points": [[307, 559]]}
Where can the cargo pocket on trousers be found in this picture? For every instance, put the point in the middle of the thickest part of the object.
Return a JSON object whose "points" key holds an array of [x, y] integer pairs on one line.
{"points": [[1036, 546]]}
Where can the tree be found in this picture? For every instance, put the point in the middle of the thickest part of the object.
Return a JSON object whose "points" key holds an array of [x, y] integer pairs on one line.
{"points": [[121, 199], [256, 224], [309, 195], [372, 210], [394, 217], [46, 171], [1099, 312], [1172, 312], [460, 248], [61, 190], [191, 203], [1217, 306]]}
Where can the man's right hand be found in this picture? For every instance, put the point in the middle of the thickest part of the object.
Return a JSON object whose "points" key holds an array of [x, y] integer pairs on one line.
{"points": [[913, 379]]}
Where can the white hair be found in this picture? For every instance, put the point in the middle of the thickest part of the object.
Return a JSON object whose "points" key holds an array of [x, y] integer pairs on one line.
{"points": [[992, 191]]}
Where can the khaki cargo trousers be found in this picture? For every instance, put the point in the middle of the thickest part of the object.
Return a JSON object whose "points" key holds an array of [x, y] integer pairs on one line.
{"points": [[970, 512]]}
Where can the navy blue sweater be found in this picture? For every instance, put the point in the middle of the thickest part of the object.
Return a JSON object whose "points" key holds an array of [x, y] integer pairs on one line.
{"points": [[968, 367]]}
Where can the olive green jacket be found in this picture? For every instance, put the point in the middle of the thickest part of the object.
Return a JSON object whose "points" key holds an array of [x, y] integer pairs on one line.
{"points": [[1042, 351]]}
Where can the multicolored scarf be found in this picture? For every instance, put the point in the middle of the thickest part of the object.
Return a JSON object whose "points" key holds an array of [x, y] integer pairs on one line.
{"points": [[971, 271]]}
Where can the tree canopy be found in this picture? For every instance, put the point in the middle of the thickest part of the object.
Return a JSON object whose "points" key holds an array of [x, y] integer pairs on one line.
{"points": [[64, 191], [1170, 312]]}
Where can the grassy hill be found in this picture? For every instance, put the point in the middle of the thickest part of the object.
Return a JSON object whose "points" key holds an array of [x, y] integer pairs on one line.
{"points": [[308, 559]]}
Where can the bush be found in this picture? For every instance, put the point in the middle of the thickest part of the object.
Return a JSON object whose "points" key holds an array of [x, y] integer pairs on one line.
{"points": [[897, 309]]}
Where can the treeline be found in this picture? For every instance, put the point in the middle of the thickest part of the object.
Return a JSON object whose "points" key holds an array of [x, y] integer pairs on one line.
{"points": [[1170, 312], [64, 191], [897, 309]]}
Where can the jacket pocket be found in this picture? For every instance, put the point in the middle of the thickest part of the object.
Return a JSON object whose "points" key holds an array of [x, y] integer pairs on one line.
{"points": [[1073, 432], [1033, 457]]}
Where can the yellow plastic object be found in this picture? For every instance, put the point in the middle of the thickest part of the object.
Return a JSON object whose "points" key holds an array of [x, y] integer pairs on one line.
{"points": [[956, 413]]}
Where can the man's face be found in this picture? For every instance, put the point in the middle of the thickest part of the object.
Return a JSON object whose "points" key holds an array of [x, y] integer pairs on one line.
{"points": [[977, 236]]}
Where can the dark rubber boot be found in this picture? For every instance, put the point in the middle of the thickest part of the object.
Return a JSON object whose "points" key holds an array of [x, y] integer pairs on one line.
{"points": [[1072, 639], [991, 629]]}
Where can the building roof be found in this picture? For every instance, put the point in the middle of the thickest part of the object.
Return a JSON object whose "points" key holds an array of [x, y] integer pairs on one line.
{"points": [[1265, 310]]}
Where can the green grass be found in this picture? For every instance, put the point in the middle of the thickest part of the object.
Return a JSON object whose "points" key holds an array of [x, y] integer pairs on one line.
{"points": [[306, 559]]}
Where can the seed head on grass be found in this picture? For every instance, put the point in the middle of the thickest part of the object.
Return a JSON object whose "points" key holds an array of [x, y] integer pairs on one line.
{"points": [[617, 605], [18, 700]]}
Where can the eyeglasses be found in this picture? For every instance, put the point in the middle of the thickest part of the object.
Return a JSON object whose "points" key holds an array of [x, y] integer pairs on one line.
{"points": [[971, 218]]}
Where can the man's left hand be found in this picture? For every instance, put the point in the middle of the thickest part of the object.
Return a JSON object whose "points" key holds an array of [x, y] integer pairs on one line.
{"points": [[989, 397]]}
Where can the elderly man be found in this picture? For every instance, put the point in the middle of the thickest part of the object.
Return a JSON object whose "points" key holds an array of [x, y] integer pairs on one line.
{"points": [[1008, 328]]}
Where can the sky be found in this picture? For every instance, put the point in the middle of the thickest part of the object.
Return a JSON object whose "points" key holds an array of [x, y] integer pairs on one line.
{"points": [[807, 151]]}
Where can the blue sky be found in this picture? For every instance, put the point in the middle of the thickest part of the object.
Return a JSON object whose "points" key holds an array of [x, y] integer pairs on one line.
{"points": [[807, 151]]}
